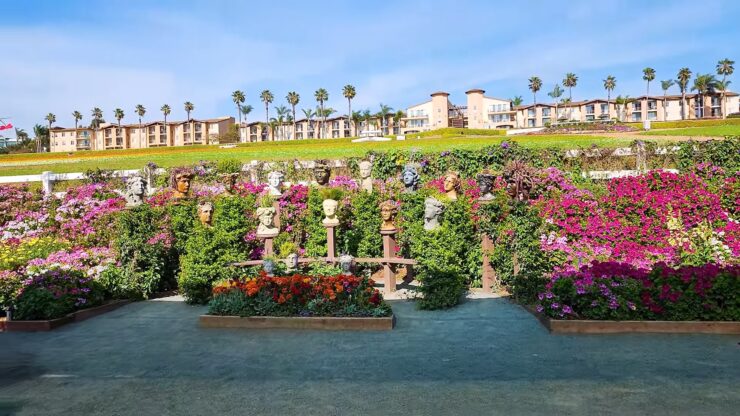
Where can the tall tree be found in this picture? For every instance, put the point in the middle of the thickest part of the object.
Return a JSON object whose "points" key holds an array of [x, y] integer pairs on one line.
{"points": [[349, 93], [238, 98], [648, 74], [609, 84], [570, 81], [188, 108], [293, 99], [555, 94], [704, 84], [683, 77], [166, 110], [517, 100], [267, 98], [282, 114], [118, 114], [97, 120], [622, 103], [665, 85], [535, 84], [725, 68], [356, 120], [77, 116], [140, 111], [51, 118], [321, 96], [42, 135], [383, 114], [367, 116], [309, 114], [397, 116]]}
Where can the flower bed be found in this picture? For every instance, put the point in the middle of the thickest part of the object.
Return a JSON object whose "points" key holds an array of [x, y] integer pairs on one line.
{"points": [[298, 295]]}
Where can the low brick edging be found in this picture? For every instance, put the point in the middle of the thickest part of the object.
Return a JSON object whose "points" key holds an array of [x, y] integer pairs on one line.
{"points": [[564, 326], [298, 322], [77, 316]]}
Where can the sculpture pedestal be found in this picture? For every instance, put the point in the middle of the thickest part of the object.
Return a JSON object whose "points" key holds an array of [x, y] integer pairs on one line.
{"points": [[489, 275], [330, 244], [389, 251], [267, 239]]}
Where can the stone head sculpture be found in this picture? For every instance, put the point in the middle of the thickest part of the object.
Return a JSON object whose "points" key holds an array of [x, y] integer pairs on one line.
{"points": [[452, 185], [485, 184], [275, 182], [345, 263], [266, 217], [366, 171], [229, 182], [321, 172], [205, 213], [410, 178], [519, 179], [388, 211], [136, 188], [433, 209], [180, 181], [330, 210]]}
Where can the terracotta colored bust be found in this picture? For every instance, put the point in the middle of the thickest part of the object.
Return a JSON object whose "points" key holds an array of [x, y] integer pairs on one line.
{"points": [[205, 213], [180, 181], [388, 211], [452, 185]]}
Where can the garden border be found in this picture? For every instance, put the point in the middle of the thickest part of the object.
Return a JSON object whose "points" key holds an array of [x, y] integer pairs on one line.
{"points": [[599, 327], [332, 323], [77, 316]]}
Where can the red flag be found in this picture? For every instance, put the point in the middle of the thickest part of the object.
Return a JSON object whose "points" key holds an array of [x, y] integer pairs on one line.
{"points": [[6, 126]]}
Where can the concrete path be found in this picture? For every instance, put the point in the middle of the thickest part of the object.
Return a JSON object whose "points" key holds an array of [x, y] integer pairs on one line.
{"points": [[485, 357]]}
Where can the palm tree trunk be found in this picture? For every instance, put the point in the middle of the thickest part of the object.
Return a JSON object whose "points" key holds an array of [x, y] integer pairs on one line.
{"points": [[683, 105], [349, 114]]}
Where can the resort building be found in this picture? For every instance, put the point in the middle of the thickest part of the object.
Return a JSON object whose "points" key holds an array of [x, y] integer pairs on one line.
{"points": [[334, 128], [135, 136]]}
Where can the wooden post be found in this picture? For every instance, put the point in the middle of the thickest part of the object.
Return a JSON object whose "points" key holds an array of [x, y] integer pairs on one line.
{"points": [[389, 251], [330, 244], [268, 246], [276, 218], [489, 275]]}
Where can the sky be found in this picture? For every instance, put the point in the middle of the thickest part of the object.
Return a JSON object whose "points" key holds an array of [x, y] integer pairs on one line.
{"points": [[62, 56]]}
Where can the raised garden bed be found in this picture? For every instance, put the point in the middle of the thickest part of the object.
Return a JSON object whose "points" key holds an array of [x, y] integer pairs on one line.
{"points": [[574, 326], [298, 322], [77, 316]]}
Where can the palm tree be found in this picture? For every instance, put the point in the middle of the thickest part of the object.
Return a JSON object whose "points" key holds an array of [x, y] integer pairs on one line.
{"points": [[321, 96], [356, 118], [517, 100], [309, 114], [118, 114], [140, 111], [665, 85], [570, 81], [77, 116], [704, 84], [725, 68], [293, 99], [684, 75], [238, 98], [555, 94], [367, 115], [188, 108], [609, 84], [397, 116], [383, 114], [349, 93], [267, 98], [535, 84], [282, 112], [648, 74], [166, 111], [42, 134], [97, 120], [622, 103], [51, 118]]}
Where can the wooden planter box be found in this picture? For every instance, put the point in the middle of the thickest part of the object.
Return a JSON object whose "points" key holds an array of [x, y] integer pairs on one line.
{"points": [[564, 326], [298, 322], [77, 316]]}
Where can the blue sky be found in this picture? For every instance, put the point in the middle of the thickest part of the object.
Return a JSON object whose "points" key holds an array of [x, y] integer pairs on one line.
{"points": [[61, 56]]}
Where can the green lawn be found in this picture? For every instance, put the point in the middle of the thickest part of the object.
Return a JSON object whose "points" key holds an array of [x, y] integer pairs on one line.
{"points": [[709, 131], [24, 164]]}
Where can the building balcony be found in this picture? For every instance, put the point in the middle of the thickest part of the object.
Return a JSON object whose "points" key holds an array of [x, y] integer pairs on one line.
{"points": [[418, 117]]}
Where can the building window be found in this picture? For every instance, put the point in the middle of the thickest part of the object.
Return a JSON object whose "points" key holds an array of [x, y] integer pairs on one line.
{"points": [[531, 112], [636, 116], [530, 122], [545, 112]]}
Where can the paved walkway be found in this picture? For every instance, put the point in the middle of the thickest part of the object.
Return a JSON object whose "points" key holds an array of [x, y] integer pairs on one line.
{"points": [[485, 357]]}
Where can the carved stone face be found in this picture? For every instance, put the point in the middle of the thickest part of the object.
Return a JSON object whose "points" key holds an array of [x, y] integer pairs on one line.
{"points": [[330, 207], [229, 181], [182, 182], [266, 217], [321, 174], [205, 213], [451, 182], [432, 209], [409, 178], [275, 179], [345, 263], [366, 169]]}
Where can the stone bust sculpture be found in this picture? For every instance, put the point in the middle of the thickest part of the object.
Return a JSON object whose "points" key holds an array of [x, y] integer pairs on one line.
{"points": [[519, 179], [229, 182], [321, 172], [388, 211], [180, 180], [432, 211], [452, 185], [485, 184], [366, 180], [266, 227], [136, 188], [330, 210], [275, 182], [345, 263], [410, 178], [205, 213]]}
